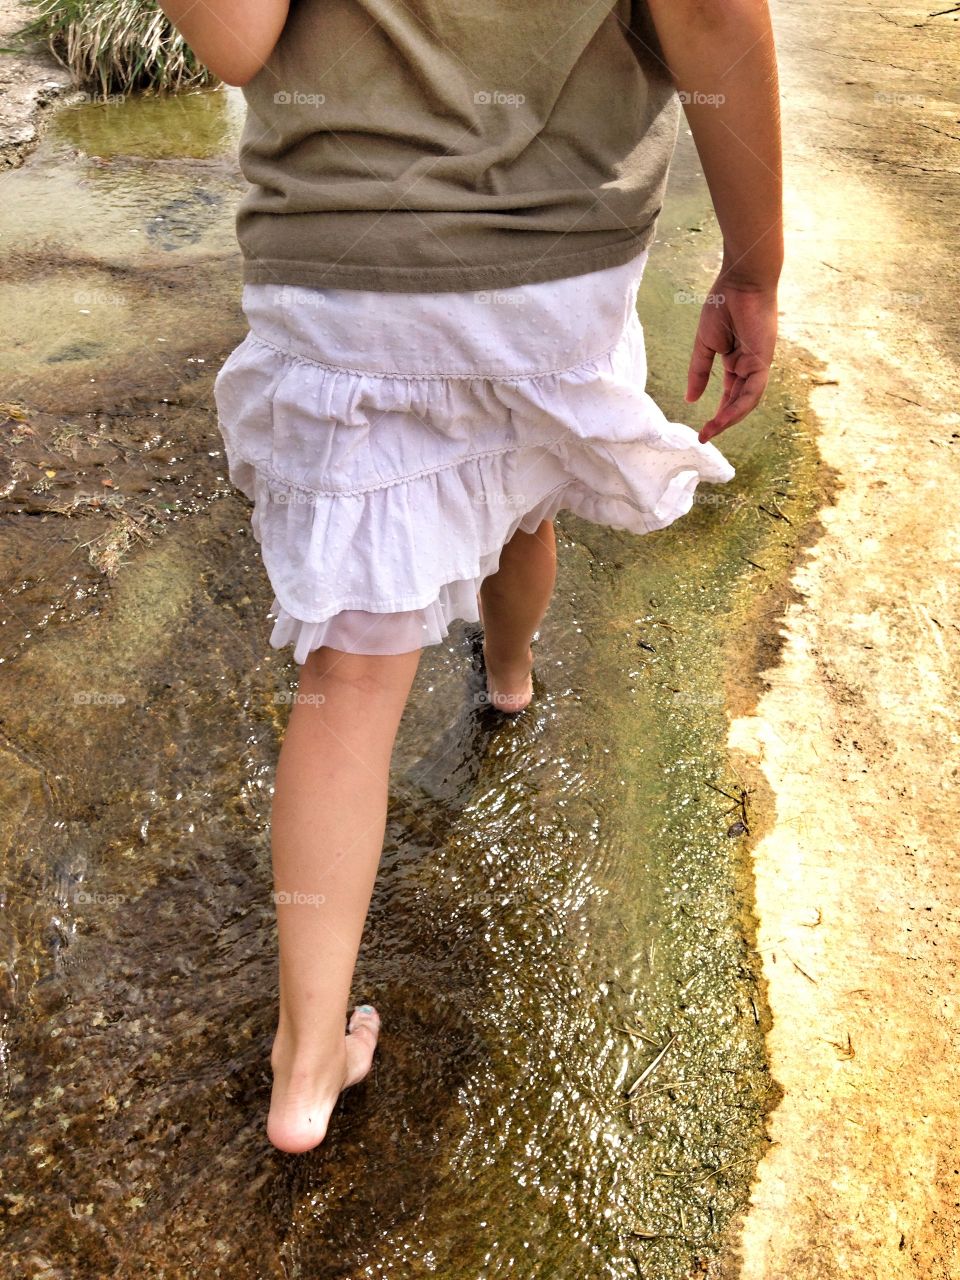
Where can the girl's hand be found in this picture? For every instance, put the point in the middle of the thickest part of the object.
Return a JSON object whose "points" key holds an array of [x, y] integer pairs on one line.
{"points": [[739, 324]]}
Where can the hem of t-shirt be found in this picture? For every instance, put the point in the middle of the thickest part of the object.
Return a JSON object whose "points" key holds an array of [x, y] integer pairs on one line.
{"points": [[439, 279]]}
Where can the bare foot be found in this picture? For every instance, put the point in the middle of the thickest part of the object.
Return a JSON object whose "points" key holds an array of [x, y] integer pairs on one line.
{"points": [[305, 1092], [509, 684]]}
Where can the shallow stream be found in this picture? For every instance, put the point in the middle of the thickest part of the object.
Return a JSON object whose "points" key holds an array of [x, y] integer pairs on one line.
{"points": [[561, 895]]}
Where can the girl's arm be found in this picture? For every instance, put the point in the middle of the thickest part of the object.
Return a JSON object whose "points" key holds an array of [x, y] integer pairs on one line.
{"points": [[233, 38], [722, 58]]}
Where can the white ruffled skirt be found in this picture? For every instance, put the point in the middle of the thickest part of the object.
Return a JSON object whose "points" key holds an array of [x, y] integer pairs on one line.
{"points": [[392, 443]]}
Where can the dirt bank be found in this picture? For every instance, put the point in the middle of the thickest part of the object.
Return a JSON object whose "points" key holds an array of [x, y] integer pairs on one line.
{"points": [[857, 883], [29, 83]]}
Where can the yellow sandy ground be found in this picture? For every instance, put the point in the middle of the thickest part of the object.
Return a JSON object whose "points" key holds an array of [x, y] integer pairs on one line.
{"points": [[858, 880]]}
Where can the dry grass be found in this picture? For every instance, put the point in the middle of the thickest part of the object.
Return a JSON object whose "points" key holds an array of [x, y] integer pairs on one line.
{"points": [[117, 45]]}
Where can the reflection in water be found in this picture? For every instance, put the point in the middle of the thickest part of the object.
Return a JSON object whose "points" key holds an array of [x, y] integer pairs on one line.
{"points": [[558, 899]]}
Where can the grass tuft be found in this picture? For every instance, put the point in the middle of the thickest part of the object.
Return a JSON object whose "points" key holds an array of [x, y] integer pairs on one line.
{"points": [[116, 46]]}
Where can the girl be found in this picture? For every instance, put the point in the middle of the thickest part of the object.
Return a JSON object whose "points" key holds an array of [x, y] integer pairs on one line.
{"points": [[449, 215]]}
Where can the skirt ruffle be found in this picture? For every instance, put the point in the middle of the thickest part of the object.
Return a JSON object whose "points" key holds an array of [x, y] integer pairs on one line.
{"points": [[377, 496]]}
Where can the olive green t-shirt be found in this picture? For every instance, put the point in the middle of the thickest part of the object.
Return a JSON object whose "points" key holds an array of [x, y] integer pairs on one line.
{"points": [[412, 145]]}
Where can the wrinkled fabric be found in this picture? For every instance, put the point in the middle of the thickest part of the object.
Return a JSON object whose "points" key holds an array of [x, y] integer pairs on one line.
{"points": [[449, 146], [393, 443]]}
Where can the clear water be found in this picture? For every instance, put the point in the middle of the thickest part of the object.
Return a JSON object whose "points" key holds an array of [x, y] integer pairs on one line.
{"points": [[546, 881]]}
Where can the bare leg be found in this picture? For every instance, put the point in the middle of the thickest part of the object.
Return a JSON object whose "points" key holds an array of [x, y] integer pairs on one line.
{"points": [[329, 814], [513, 601]]}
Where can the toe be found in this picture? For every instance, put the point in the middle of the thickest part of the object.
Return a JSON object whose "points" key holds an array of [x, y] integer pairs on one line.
{"points": [[364, 1025], [364, 1018], [362, 1032]]}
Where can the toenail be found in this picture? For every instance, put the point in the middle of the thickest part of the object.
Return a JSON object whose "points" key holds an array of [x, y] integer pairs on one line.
{"points": [[365, 1008]]}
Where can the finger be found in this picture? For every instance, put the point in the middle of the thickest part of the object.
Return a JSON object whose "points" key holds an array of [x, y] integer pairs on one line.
{"points": [[730, 377], [698, 374], [711, 427], [732, 387], [733, 413], [744, 397], [735, 408]]}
